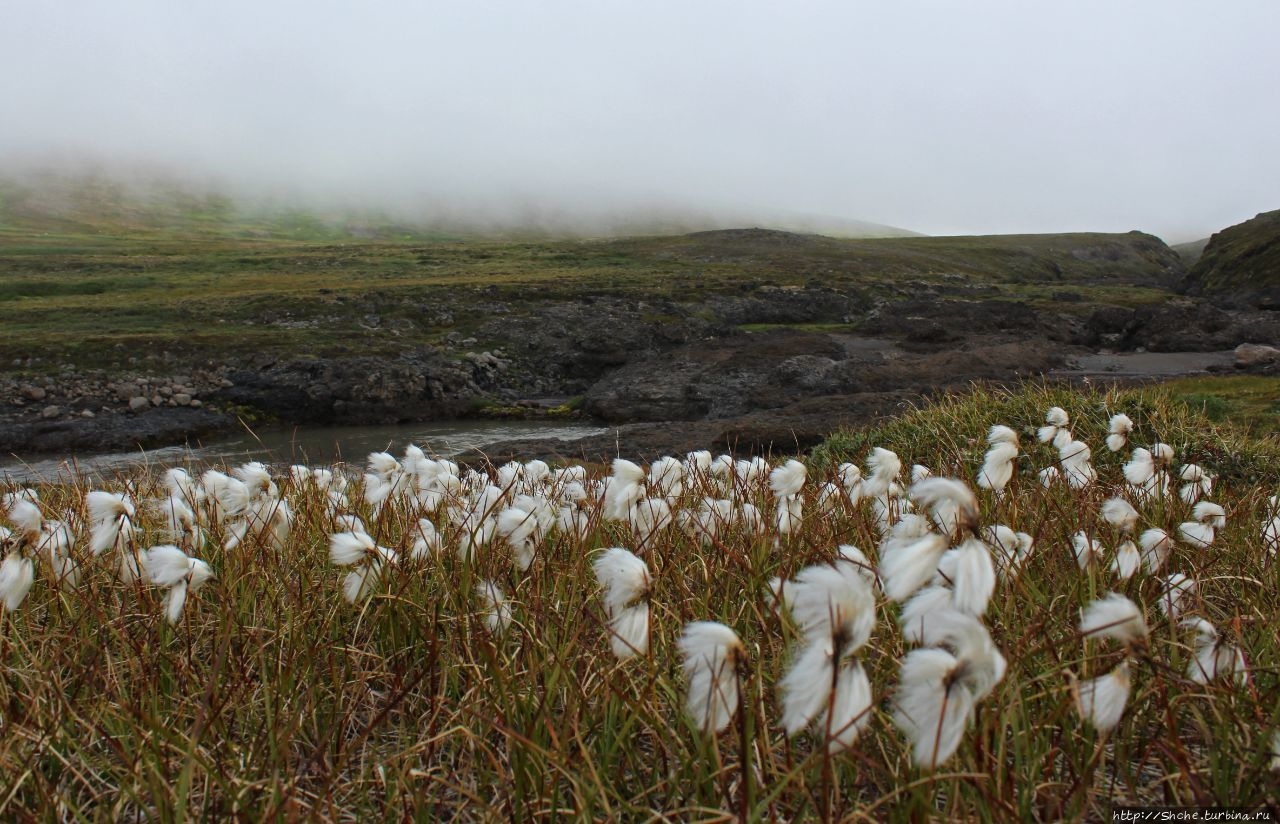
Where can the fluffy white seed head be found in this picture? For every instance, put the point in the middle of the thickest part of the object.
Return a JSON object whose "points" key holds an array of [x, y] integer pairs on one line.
{"points": [[972, 574], [909, 557], [1002, 434], [1119, 428], [624, 576], [1176, 595], [1127, 560], [1140, 468], [1114, 616], [788, 480], [711, 655], [931, 707], [495, 608], [1120, 513], [1156, 545], [347, 548], [951, 503], [885, 468], [17, 574], [1086, 549], [1207, 512], [1101, 701], [833, 604]]}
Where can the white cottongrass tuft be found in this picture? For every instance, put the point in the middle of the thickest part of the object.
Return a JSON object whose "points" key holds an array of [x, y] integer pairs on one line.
{"points": [[1119, 430], [172, 569], [358, 550], [972, 574], [17, 574], [1214, 656], [788, 480], [1176, 594], [495, 608], [833, 603], [924, 618], [626, 581], [1075, 459], [1101, 701], [520, 529], [909, 556], [1196, 483], [885, 468], [1127, 560], [1010, 549], [1056, 422], [1271, 530], [851, 480], [932, 706], [951, 504], [1120, 513], [1085, 549], [27, 520], [1156, 546], [938, 689], [1207, 512], [1200, 533], [712, 654], [997, 464], [835, 698], [1114, 616], [426, 541]]}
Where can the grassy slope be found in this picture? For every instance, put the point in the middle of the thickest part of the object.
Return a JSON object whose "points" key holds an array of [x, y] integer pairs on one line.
{"points": [[1240, 258], [273, 698], [73, 291]]}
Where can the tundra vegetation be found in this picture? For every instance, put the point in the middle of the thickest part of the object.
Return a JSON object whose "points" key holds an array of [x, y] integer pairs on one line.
{"points": [[1028, 604]]}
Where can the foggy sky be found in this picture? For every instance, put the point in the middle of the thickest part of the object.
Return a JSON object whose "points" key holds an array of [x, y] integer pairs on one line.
{"points": [[942, 117]]}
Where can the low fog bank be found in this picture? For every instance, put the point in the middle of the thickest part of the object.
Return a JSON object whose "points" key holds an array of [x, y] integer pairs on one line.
{"points": [[107, 192]]}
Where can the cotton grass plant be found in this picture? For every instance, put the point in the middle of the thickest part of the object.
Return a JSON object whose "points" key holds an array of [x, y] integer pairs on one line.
{"points": [[672, 681]]}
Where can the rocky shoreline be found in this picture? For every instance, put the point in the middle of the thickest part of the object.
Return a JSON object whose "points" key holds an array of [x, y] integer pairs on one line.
{"points": [[666, 377]]}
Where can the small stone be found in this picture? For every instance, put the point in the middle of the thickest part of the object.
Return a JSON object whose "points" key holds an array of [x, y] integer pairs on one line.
{"points": [[88, 413], [138, 402], [156, 400], [50, 412], [34, 393], [182, 399], [196, 403]]}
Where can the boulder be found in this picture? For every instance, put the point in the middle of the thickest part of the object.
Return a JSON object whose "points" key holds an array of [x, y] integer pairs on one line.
{"points": [[1255, 354]]}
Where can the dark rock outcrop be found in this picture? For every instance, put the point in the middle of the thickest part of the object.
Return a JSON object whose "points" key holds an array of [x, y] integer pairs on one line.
{"points": [[163, 426], [419, 385]]}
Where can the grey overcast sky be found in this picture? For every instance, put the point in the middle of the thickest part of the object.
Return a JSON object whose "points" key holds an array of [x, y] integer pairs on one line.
{"points": [[943, 117]]}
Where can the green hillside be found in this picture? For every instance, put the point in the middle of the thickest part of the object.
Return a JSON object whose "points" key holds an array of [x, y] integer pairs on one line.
{"points": [[1241, 264]]}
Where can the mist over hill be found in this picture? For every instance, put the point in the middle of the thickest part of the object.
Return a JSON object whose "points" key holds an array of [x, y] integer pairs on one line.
{"points": [[83, 198]]}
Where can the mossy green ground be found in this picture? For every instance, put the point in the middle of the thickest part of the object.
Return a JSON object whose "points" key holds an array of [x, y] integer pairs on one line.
{"points": [[202, 281]]}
